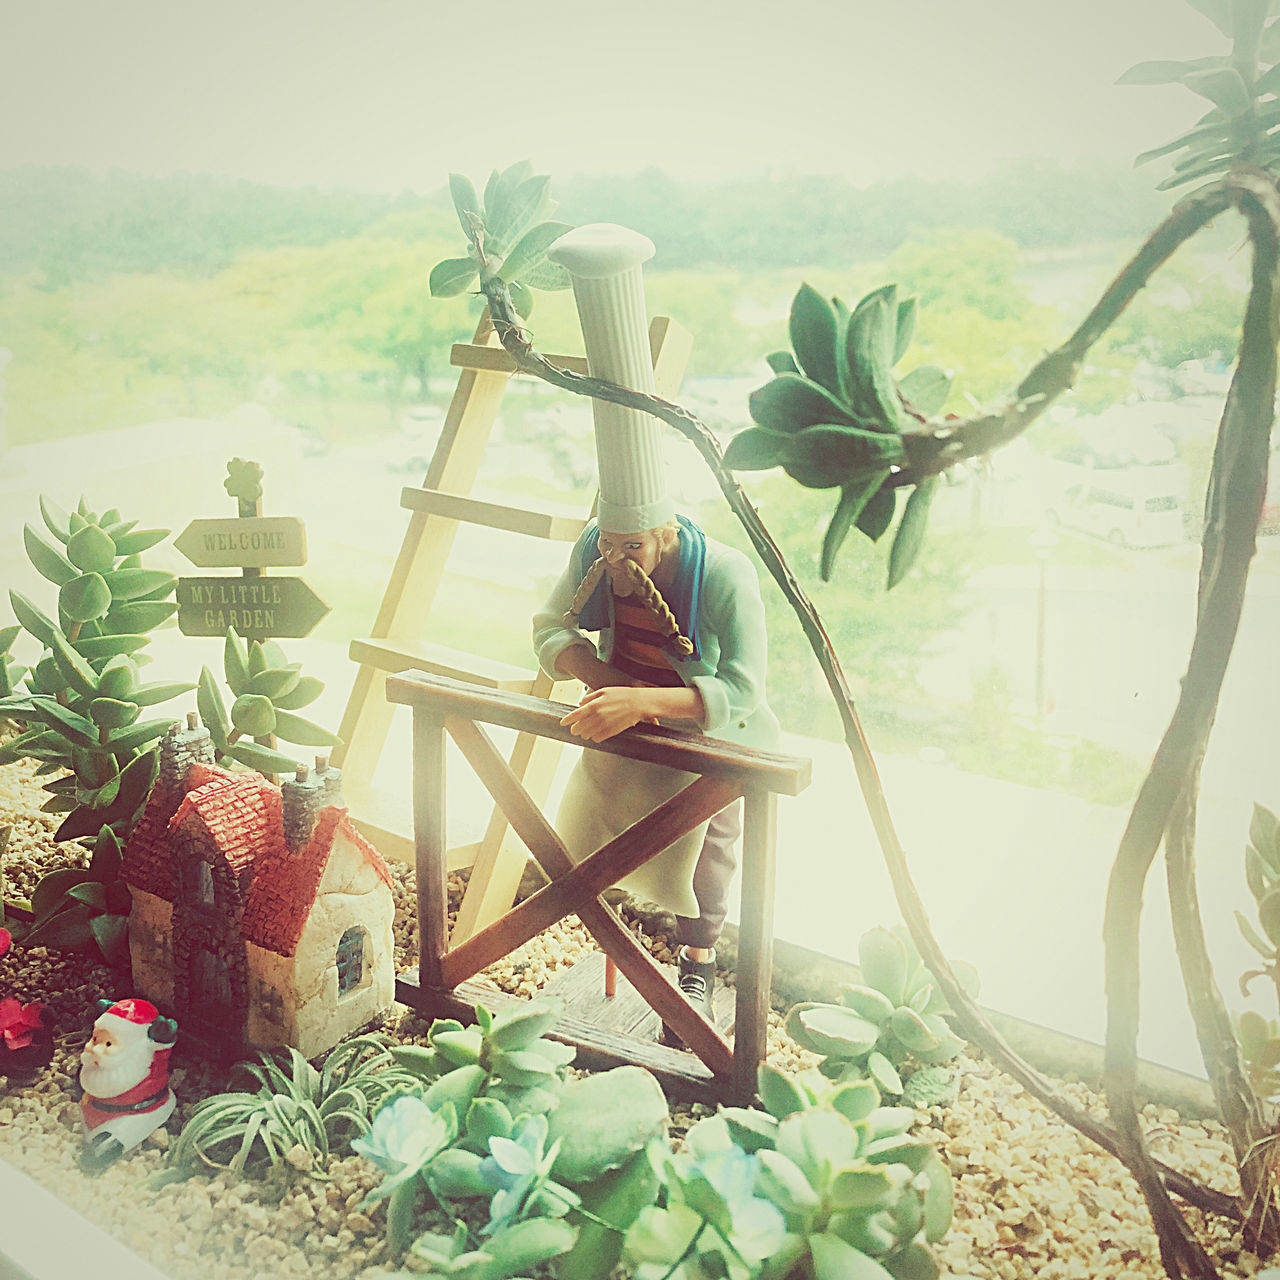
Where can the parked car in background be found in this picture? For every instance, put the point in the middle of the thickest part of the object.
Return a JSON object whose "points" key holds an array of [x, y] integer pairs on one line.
{"points": [[1127, 506]]}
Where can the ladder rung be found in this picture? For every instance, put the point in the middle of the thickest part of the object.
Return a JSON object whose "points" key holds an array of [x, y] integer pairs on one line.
{"points": [[469, 355], [493, 515], [398, 655]]}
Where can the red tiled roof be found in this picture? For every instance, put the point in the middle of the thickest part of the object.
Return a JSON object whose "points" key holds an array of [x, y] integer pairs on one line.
{"points": [[240, 811], [285, 884], [147, 862]]}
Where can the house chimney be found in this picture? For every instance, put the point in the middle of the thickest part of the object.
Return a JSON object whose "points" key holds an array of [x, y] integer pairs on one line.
{"points": [[181, 747], [303, 798], [332, 778]]}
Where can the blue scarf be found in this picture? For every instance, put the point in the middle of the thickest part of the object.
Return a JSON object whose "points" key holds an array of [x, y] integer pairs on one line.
{"points": [[682, 598]]}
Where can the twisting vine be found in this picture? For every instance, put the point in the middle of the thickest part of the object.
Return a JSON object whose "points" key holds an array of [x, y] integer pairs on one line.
{"points": [[1233, 504]]}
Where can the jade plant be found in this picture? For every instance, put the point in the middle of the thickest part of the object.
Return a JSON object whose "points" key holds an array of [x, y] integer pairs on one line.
{"points": [[295, 1117], [893, 1017], [823, 1183], [267, 690], [499, 1125], [835, 417], [10, 671], [1260, 1037], [508, 236], [84, 696]]}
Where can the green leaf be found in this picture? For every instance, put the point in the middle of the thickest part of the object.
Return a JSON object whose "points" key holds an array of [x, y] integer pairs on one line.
{"points": [[1168, 72], [73, 726], [138, 540], [518, 1026], [531, 248], [111, 932], [1219, 12], [254, 715], [49, 562], [235, 663], [66, 928], [261, 758], [451, 277], [465, 202], [79, 675], [790, 403], [56, 520], [91, 550], [905, 328], [305, 692], [117, 679], [1269, 916], [831, 1029], [819, 1142], [136, 780], [782, 362], [1201, 134], [51, 889], [869, 351], [1264, 835], [104, 865], [113, 713], [8, 635], [213, 712], [529, 203], [779, 1092], [616, 1198], [276, 682], [85, 598], [1269, 44], [31, 617], [845, 454], [877, 515], [148, 695], [295, 729], [137, 735], [853, 498], [755, 449], [140, 615], [500, 187], [883, 960], [910, 536], [602, 1120], [911, 1029], [129, 584], [926, 387], [90, 892], [1223, 86], [95, 647], [812, 328]]}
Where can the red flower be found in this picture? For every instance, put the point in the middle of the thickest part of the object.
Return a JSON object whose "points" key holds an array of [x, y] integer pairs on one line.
{"points": [[18, 1022], [6, 941]]}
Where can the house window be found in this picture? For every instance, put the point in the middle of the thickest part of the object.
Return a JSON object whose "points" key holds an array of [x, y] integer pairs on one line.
{"points": [[350, 960], [204, 883]]}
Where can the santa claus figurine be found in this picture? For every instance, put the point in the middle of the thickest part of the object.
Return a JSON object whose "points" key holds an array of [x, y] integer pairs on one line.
{"points": [[124, 1073]]}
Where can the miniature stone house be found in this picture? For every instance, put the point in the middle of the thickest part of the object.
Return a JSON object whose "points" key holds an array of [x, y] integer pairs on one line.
{"points": [[258, 909]]}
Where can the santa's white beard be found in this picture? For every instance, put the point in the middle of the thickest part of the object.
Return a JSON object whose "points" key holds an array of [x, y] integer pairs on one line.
{"points": [[128, 1067]]}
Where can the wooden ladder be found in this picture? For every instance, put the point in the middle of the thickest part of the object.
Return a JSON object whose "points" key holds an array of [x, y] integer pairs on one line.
{"points": [[437, 509]]}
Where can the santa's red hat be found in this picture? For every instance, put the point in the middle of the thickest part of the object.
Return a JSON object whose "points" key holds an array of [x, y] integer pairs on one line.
{"points": [[127, 1019]]}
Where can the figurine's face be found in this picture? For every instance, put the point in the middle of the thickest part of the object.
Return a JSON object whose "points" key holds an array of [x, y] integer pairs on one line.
{"points": [[645, 549], [110, 1065]]}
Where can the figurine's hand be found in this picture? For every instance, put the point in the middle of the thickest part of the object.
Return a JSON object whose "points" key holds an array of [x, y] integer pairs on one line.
{"points": [[602, 713]]}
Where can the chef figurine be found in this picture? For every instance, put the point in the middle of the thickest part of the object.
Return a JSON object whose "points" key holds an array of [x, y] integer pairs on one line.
{"points": [[678, 618]]}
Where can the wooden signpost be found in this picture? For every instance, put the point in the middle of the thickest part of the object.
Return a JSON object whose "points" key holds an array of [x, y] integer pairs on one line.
{"points": [[257, 606]]}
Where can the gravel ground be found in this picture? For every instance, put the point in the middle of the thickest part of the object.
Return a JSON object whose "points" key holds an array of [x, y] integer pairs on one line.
{"points": [[1033, 1198]]}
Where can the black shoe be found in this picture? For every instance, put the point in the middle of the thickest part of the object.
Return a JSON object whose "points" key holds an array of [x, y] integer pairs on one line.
{"points": [[100, 1151], [697, 982]]}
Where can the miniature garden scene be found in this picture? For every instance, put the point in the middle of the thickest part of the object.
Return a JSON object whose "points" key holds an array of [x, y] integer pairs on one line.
{"points": [[646, 726]]}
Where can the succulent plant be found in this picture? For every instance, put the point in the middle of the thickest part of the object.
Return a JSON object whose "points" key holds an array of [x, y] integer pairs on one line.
{"points": [[295, 1117], [824, 1182], [77, 906], [834, 416], [268, 689], [10, 672], [894, 1016], [507, 236], [85, 696], [515, 1250]]}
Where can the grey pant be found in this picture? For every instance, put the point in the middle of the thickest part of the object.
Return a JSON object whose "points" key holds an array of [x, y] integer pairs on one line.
{"points": [[712, 876]]}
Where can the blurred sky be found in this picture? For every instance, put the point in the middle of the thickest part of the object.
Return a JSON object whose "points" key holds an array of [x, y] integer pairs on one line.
{"points": [[392, 94]]}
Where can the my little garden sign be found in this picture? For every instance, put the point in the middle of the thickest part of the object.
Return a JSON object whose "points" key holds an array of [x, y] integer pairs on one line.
{"points": [[256, 605]]}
